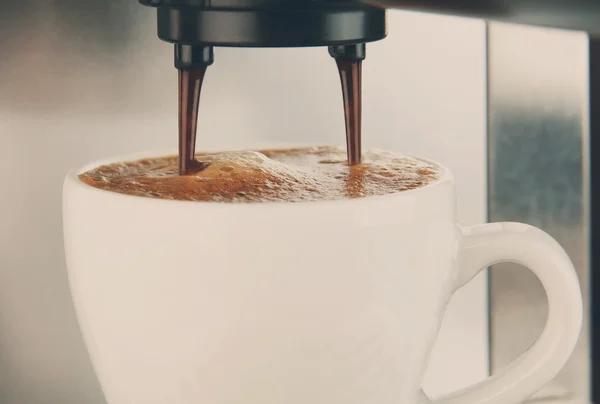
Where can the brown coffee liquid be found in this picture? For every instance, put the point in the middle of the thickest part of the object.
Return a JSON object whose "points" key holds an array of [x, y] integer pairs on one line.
{"points": [[290, 175], [190, 87], [351, 78]]}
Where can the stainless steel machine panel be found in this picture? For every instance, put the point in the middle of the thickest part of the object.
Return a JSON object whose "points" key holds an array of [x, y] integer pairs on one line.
{"points": [[538, 174]]}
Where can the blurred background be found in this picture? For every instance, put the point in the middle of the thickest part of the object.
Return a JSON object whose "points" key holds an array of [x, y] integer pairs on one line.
{"points": [[81, 80]]}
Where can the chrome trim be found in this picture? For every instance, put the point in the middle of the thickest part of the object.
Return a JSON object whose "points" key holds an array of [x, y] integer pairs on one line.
{"points": [[538, 174]]}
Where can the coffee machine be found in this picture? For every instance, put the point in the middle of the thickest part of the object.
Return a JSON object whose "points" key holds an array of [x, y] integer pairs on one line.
{"points": [[539, 165]]}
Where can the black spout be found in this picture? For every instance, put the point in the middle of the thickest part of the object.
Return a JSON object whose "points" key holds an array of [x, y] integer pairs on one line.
{"points": [[190, 57]]}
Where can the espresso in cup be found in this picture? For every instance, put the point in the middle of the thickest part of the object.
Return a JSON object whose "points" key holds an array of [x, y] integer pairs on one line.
{"points": [[286, 175], [295, 303]]}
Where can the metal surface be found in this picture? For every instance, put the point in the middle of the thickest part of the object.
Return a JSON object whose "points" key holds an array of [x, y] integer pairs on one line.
{"points": [[594, 148], [69, 75], [567, 14], [538, 174]]}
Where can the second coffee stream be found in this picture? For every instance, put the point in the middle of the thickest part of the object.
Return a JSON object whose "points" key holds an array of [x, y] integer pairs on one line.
{"points": [[192, 63]]}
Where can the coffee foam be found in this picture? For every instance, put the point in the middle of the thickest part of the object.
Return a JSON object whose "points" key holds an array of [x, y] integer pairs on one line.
{"points": [[291, 175]]}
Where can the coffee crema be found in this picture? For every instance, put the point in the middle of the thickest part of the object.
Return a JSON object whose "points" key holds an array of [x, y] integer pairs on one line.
{"points": [[289, 175]]}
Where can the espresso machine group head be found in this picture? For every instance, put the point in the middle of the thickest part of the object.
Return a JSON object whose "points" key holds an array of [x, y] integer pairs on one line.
{"points": [[196, 26]]}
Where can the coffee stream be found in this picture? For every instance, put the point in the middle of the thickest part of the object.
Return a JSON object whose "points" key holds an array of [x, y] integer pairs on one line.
{"points": [[190, 86], [351, 77]]}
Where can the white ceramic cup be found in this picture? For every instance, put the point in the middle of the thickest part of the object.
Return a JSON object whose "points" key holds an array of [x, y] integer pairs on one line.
{"points": [[333, 302]]}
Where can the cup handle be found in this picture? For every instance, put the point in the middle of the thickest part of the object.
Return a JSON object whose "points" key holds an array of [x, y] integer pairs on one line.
{"points": [[489, 244]]}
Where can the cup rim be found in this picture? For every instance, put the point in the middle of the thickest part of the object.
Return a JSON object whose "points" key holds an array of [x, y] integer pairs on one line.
{"points": [[72, 178]]}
